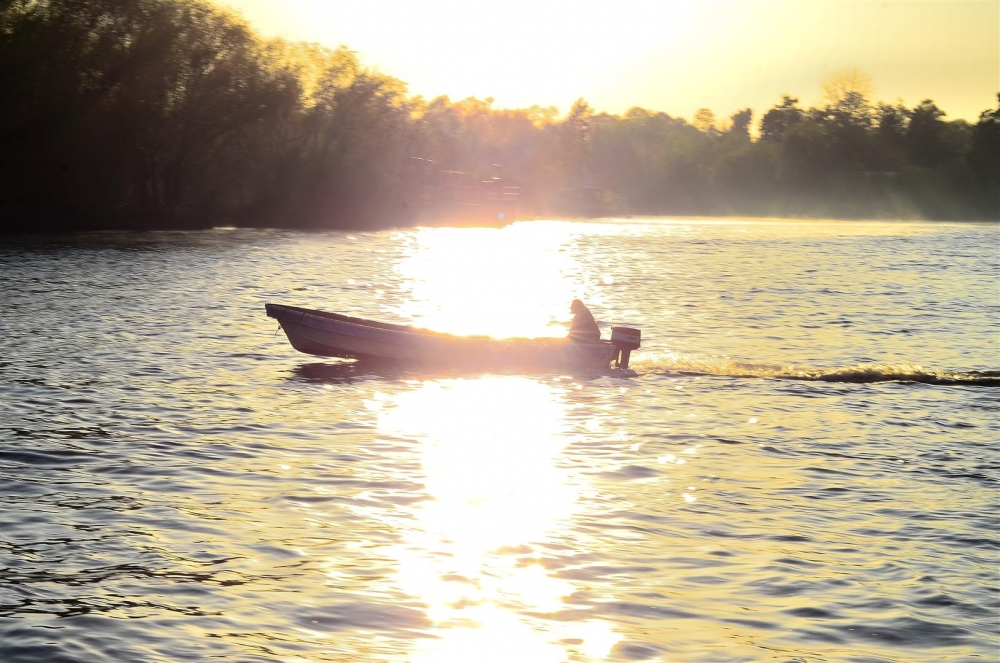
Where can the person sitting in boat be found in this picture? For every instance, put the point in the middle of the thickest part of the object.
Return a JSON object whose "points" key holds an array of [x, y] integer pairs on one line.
{"points": [[584, 328]]}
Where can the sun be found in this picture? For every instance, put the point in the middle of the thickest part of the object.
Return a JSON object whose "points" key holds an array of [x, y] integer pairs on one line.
{"points": [[674, 56]]}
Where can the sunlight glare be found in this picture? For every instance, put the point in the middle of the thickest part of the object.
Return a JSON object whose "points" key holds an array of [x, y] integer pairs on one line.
{"points": [[488, 451], [499, 282], [489, 448], [499, 637]]}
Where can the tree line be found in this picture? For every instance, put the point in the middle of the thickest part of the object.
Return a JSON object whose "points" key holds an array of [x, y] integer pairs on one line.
{"points": [[175, 114]]}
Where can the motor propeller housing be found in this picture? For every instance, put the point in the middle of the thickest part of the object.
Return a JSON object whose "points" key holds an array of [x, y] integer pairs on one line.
{"points": [[625, 340]]}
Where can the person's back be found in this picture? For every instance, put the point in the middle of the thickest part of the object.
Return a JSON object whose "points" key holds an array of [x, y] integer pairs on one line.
{"points": [[584, 328]]}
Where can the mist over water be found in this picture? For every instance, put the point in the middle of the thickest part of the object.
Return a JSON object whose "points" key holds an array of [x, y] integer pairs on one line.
{"points": [[804, 468]]}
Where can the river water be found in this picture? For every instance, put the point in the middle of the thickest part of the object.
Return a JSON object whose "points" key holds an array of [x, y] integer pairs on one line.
{"points": [[805, 468]]}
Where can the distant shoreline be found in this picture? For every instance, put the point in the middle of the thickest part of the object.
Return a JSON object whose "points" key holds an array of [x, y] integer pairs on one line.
{"points": [[195, 227], [174, 114]]}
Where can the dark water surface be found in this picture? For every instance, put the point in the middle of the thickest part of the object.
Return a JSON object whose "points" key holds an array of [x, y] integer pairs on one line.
{"points": [[805, 469]]}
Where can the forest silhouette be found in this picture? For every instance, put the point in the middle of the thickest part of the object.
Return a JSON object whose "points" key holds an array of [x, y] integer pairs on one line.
{"points": [[175, 114]]}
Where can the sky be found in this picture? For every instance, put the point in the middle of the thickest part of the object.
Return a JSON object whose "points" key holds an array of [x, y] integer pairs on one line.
{"points": [[674, 56]]}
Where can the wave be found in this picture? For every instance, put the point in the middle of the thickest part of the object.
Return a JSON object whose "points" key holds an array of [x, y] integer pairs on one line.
{"points": [[679, 364]]}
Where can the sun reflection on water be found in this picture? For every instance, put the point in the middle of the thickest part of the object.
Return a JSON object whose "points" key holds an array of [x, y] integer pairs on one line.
{"points": [[489, 450], [500, 282]]}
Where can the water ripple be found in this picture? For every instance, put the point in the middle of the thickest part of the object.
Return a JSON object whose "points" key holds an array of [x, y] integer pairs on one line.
{"points": [[803, 469]]}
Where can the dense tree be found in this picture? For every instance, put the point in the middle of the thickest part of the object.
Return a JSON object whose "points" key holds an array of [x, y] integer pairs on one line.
{"points": [[741, 123], [847, 93], [173, 113], [704, 120], [889, 137], [780, 119], [925, 137], [985, 147]]}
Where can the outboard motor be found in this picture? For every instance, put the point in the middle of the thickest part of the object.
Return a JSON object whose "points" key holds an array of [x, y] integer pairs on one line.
{"points": [[625, 340]]}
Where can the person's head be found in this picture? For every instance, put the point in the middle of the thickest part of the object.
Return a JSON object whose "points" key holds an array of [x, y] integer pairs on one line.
{"points": [[577, 306]]}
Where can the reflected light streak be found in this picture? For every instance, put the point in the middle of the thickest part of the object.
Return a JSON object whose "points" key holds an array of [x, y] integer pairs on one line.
{"points": [[489, 451]]}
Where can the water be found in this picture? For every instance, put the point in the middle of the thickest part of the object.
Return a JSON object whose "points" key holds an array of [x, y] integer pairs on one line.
{"points": [[804, 469]]}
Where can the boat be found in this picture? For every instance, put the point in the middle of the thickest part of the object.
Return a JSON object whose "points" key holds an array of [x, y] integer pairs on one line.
{"points": [[334, 335]]}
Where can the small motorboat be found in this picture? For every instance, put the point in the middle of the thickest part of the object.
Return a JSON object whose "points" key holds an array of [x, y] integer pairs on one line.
{"points": [[334, 335]]}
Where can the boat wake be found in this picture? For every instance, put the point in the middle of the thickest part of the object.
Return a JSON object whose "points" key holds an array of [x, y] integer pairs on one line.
{"points": [[679, 364], [338, 371]]}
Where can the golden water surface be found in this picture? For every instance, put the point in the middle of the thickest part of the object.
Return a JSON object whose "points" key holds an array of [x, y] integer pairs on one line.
{"points": [[801, 471]]}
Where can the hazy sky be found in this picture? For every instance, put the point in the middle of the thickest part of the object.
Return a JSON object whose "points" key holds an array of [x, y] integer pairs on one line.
{"points": [[668, 55]]}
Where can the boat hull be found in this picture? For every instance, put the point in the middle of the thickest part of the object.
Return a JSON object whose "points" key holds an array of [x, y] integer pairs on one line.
{"points": [[333, 335]]}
